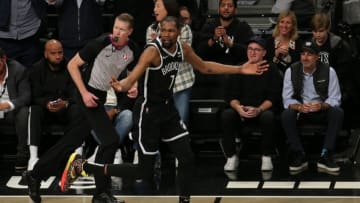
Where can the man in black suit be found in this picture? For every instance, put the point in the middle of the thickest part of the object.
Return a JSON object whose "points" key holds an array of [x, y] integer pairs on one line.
{"points": [[14, 100]]}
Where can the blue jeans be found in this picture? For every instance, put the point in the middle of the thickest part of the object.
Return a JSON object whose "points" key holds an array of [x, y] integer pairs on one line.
{"points": [[123, 122], [181, 100]]}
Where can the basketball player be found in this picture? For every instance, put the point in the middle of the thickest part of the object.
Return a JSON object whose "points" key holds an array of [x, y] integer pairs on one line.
{"points": [[155, 115]]}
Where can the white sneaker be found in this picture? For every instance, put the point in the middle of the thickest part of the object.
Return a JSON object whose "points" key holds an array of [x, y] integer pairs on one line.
{"points": [[136, 157], [231, 163], [266, 163], [118, 158], [92, 157], [31, 163]]}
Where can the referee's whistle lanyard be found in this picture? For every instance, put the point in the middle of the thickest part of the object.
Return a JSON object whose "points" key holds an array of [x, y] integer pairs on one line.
{"points": [[3, 89]]}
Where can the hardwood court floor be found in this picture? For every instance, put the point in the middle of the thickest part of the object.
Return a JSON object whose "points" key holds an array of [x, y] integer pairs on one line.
{"points": [[172, 199]]}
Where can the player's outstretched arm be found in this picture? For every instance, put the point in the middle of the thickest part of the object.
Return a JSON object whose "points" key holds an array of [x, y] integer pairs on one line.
{"points": [[208, 67], [147, 58]]}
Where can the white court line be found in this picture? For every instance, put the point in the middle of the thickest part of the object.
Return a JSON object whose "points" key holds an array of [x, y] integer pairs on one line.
{"points": [[314, 185], [278, 185], [347, 185], [242, 184]]}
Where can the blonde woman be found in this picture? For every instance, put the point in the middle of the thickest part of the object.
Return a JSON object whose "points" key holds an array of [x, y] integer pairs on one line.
{"points": [[283, 48]]}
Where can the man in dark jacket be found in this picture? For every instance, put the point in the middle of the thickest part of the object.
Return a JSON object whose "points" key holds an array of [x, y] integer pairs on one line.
{"points": [[52, 97], [73, 23], [20, 23], [224, 38], [14, 100], [252, 106]]}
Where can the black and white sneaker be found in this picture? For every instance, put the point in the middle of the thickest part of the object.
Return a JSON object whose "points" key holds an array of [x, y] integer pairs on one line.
{"points": [[298, 162], [327, 163]]}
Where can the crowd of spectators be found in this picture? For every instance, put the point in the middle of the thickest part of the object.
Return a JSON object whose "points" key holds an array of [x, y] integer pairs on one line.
{"points": [[293, 75]]}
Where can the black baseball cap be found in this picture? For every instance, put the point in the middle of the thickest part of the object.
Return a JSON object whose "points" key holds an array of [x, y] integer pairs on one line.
{"points": [[311, 47], [258, 40]]}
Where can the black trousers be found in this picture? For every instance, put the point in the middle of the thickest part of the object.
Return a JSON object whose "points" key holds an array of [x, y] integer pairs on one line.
{"points": [[51, 162], [98, 120], [232, 124], [40, 117], [332, 117], [92, 118], [26, 51], [19, 118]]}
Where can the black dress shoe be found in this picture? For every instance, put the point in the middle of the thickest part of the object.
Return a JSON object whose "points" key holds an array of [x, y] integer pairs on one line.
{"points": [[184, 199], [33, 187], [105, 198]]}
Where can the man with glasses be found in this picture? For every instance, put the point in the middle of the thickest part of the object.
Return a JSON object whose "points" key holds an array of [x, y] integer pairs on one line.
{"points": [[252, 100]]}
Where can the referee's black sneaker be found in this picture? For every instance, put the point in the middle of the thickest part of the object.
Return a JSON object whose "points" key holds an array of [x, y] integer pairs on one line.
{"points": [[327, 163], [33, 187], [105, 198]]}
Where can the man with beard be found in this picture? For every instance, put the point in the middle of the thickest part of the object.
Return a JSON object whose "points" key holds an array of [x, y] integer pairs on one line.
{"points": [[154, 111], [224, 38], [52, 90], [52, 102]]}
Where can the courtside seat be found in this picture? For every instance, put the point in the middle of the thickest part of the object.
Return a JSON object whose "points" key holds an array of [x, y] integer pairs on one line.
{"points": [[206, 104]]}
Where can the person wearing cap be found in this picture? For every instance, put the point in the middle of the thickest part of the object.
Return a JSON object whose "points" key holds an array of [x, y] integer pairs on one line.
{"points": [[311, 94], [252, 106]]}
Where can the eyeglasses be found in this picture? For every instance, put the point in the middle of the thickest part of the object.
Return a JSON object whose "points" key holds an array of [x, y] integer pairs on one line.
{"points": [[254, 49]]}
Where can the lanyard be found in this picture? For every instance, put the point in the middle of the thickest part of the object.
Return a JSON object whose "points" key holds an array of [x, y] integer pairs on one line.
{"points": [[3, 90]]}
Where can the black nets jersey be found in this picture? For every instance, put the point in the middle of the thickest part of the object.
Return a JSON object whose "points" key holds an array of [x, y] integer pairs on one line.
{"points": [[157, 83]]}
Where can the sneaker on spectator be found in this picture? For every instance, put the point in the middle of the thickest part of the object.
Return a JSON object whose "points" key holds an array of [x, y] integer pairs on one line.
{"points": [[21, 163], [31, 163], [266, 163], [231, 163], [118, 158], [266, 175], [327, 163], [298, 162], [231, 175]]}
